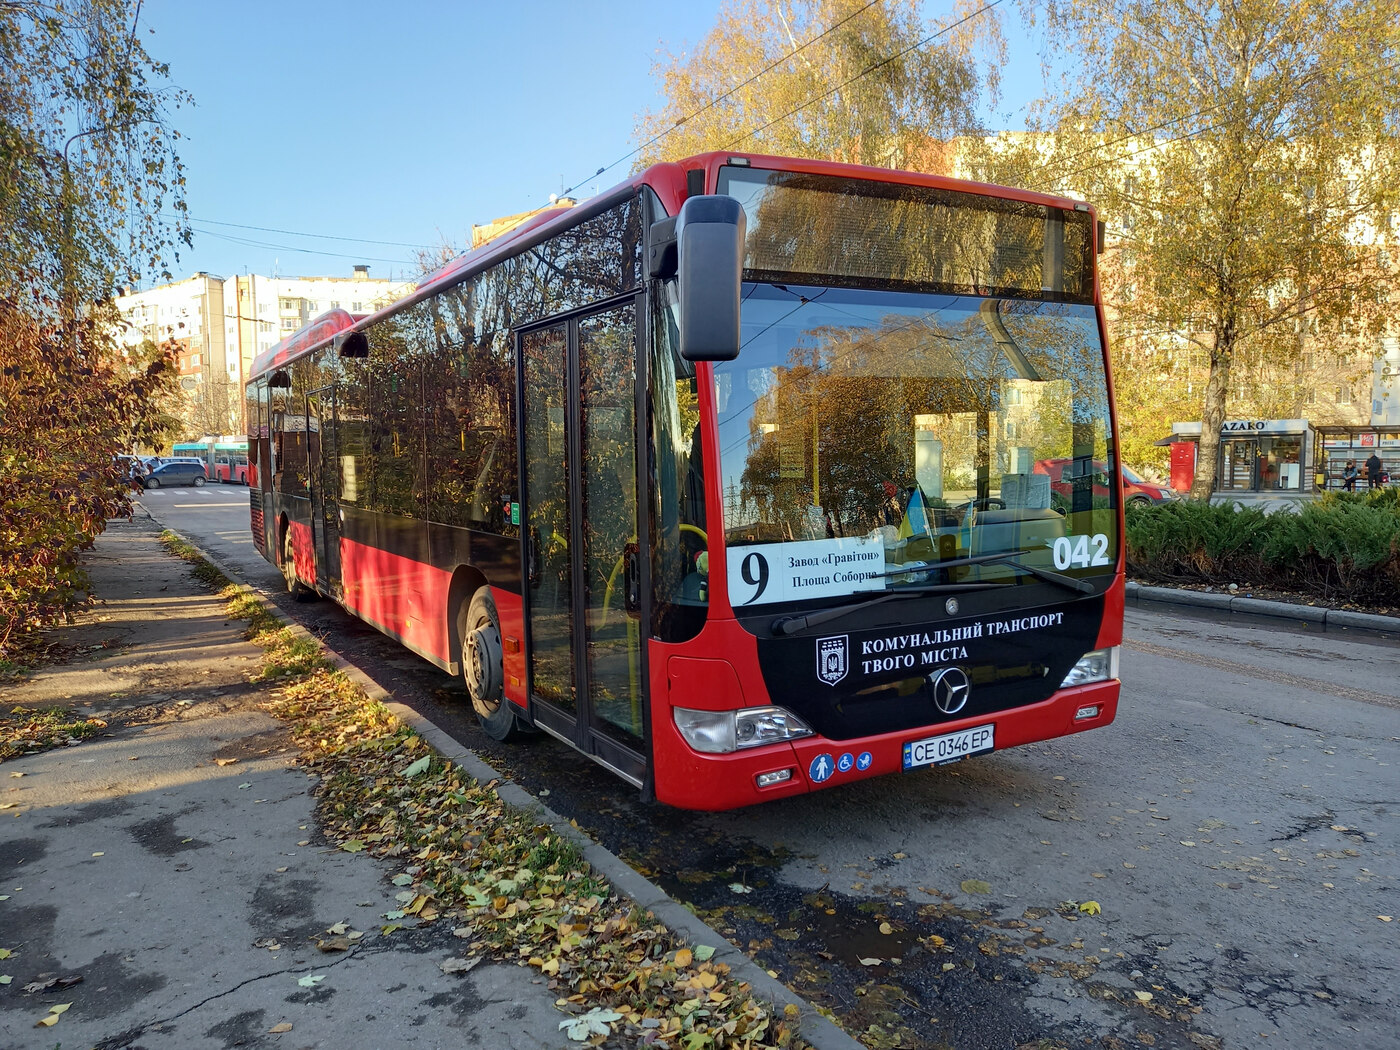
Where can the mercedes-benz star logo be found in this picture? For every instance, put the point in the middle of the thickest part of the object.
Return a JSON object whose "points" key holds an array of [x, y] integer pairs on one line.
{"points": [[950, 690]]}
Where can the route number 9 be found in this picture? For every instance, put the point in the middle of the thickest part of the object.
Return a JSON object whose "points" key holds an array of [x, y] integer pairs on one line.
{"points": [[754, 571], [1080, 552]]}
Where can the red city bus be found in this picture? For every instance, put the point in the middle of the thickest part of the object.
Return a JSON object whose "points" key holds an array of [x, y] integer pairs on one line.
{"points": [[726, 477], [224, 461], [231, 466]]}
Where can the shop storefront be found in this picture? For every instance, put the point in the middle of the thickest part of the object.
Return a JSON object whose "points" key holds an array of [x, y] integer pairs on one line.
{"points": [[1264, 456]]}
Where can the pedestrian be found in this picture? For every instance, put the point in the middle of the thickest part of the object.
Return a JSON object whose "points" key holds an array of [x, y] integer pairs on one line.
{"points": [[1373, 471], [1349, 476]]}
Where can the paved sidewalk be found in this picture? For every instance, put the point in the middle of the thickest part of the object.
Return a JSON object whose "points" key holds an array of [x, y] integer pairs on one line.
{"points": [[175, 865]]}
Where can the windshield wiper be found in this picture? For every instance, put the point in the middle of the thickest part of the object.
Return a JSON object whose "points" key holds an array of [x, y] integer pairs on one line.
{"points": [[793, 624], [1010, 557]]}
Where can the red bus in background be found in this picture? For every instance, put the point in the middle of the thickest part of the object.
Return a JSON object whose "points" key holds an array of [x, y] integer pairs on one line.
{"points": [[225, 459], [726, 477], [231, 468]]}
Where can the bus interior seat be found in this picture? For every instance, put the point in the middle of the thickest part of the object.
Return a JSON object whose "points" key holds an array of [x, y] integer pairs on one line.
{"points": [[1016, 529], [1026, 490]]}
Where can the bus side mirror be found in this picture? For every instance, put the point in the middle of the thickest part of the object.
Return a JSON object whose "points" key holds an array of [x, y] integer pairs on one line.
{"points": [[710, 265]]}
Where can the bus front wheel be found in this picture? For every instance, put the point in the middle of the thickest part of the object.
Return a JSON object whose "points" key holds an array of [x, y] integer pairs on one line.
{"points": [[479, 629]]}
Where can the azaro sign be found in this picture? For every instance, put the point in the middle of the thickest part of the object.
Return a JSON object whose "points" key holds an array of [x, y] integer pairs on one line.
{"points": [[1261, 426]]}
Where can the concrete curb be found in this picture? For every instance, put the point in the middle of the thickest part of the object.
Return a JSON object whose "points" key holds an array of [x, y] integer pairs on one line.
{"points": [[819, 1032], [1137, 592]]}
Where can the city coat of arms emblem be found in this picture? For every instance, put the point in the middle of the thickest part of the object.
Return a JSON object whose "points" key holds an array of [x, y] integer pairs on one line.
{"points": [[832, 658]]}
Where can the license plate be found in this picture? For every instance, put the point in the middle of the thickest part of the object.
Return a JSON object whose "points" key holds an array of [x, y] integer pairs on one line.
{"points": [[950, 747]]}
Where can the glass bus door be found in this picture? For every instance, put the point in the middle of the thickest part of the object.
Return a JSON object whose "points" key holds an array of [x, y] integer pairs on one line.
{"points": [[324, 469], [582, 593]]}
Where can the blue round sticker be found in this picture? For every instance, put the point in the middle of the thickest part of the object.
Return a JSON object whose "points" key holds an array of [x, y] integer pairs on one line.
{"points": [[821, 768], [864, 760], [845, 762]]}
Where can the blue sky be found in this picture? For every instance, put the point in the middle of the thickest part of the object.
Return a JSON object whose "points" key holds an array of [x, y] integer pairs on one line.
{"points": [[406, 123]]}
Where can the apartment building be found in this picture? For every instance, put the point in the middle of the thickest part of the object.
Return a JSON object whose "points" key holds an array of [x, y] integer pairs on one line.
{"points": [[220, 324]]}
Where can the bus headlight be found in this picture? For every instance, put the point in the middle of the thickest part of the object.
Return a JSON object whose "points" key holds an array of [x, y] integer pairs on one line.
{"points": [[1097, 666], [720, 732]]}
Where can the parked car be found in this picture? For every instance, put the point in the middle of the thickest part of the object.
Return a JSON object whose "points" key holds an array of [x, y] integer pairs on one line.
{"points": [[182, 459], [1136, 489], [168, 474]]}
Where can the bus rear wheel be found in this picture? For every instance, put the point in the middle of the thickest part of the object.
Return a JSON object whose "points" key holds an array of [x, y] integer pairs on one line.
{"points": [[479, 629], [299, 591]]}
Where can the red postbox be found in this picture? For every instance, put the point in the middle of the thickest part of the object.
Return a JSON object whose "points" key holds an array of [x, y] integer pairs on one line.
{"points": [[1183, 465]]}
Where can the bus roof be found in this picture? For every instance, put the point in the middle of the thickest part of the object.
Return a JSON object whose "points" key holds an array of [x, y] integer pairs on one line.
{"points": [[668, 180]]}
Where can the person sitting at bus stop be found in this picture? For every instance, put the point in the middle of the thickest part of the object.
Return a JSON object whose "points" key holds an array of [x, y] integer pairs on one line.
{"points": [[1373, 471], [1349, 476]]}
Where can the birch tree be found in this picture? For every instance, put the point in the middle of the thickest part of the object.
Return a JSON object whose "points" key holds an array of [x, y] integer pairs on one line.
{"points": [[849, 80], [88, 166]]}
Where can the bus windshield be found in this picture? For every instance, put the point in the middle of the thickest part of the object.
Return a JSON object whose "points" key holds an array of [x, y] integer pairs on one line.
{"points": [[864, 433]]}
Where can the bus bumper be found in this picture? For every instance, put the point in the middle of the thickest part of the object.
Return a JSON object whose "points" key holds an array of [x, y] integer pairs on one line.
{"points": [[689, 779]]}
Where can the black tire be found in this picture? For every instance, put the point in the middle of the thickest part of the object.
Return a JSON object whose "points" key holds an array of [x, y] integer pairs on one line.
{"points": [[299, 591], [479, 630], [1139, 501], [151, 483], [198, 482]]}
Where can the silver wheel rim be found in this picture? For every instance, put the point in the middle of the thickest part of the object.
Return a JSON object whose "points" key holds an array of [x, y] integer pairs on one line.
{"points": [[481, 657]]}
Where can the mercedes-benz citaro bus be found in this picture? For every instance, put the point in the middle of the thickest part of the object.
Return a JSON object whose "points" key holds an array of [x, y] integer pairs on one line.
{"points": [[726, 477]]}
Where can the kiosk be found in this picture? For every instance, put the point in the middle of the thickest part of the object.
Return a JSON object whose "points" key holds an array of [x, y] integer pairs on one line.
{"points": [[1266, 456]]}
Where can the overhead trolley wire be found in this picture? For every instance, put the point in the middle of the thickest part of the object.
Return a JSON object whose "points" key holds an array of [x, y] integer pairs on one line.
{"points": [[728, 94], [246, 242], [865, 72], [303, 233]]}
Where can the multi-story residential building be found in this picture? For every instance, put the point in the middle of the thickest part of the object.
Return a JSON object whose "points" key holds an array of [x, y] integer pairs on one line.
{"points": [[220, 324]]}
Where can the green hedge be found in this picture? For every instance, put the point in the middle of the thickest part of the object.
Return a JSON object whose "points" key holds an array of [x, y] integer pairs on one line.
{"points": [[1340, 546]]}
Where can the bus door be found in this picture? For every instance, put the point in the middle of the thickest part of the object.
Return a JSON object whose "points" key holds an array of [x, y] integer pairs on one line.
{"points": [[324, 468], [582, 591]]}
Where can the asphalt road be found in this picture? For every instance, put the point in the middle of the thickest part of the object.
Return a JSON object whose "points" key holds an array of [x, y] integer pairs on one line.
{"points": [[1235, 829]]}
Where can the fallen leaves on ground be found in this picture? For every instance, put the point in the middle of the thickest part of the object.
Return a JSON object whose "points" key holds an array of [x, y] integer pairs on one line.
{"points": [[52, 982], [51, 1019], [459, 965], [596, 1022], [524, 892], [26, 731], [517, 889]]}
